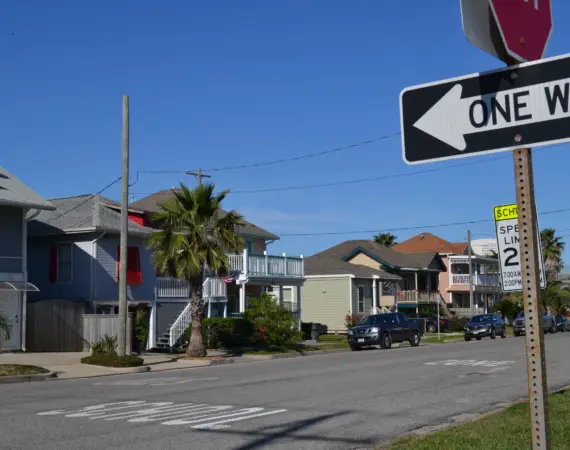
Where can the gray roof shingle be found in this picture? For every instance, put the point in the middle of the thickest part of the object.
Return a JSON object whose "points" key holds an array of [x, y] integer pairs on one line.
{"points": [[83, 213], [315, 266], [13, 192], [152, 204], [336, 258]]}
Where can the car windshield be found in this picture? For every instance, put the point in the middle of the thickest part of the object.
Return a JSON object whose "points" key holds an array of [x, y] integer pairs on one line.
{"points": [[479, 319], [521, 315], [367, 321]]}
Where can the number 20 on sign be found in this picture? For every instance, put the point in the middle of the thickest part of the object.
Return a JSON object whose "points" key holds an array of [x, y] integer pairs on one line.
{"points": [[506, 224]]}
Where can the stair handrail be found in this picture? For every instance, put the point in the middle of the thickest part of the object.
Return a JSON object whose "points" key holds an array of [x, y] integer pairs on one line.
{"points": [[180, 325]]}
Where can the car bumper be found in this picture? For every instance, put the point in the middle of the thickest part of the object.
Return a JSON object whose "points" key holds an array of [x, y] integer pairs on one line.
{"points": [[476, 334], [363, 341]]}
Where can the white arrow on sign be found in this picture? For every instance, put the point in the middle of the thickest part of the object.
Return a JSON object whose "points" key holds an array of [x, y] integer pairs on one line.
{"points": [[453, 117]]}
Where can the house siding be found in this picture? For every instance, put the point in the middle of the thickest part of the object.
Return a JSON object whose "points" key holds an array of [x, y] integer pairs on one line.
{"points": [[444, 281], [39, 268], [326, 301], [106, 284], [363, 260], [368, 299], [11, 239]]}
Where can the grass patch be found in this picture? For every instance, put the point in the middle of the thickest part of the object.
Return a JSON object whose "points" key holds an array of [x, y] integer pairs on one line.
{"points": [[433, 339], [508, 430], [10, 370], [113, 360], [333, 338]]}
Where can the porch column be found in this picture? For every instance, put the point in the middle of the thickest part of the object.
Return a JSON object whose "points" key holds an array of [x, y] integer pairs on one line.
{"points": [[151, 343], [299, 304], [375, 305], [242, 297], [209, 307], [395, 287], [226, 308], [417, 292], [281, 296]]}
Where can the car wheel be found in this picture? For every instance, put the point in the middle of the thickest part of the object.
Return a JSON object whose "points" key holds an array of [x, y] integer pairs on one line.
{"points": [[354, 348], [504, 333], [553, 328], [415, 339], [431, 328], [467, 339], [478, 338], [493, 334], [516, 333], [386, 342]]}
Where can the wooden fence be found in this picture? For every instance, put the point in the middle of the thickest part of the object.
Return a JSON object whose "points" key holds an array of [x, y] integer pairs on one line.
{"points": [[96, 326], [55, 326]]}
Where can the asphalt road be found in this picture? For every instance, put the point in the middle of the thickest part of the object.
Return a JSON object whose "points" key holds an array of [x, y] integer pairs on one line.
{"points": [[337, 401]]}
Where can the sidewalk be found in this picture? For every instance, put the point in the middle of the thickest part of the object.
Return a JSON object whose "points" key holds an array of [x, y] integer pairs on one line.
{"points": [[68, 365]]}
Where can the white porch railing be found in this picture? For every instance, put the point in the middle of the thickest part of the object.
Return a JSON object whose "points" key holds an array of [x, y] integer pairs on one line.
{"points": [[215, 288], [180, 325], [172, 288], [478, 279], [267, 265]]}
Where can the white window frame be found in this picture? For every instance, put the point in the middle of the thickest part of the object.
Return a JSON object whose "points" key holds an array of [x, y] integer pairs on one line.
{"points": [[62, 244], [358, 287]]}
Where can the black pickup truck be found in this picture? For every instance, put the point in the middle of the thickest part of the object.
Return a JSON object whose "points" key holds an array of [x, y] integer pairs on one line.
{"points": [[382, 330]]}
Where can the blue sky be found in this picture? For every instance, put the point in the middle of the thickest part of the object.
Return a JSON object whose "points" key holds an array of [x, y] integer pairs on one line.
{"points": [[223, 83]]}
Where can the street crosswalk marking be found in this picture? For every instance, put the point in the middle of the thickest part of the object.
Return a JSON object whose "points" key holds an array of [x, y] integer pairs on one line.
{"points": [[165, 381], [197, 415], [469, 362]]}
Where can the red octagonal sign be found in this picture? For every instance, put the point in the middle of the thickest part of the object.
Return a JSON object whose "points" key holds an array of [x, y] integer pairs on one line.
{"points": [[525, 26]]}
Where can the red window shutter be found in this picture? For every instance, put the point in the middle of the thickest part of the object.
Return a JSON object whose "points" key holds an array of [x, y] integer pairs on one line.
{"points": [[137, 219], [134, 275], [53, 263]]}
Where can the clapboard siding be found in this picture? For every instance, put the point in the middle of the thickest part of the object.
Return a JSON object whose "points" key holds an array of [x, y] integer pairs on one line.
{"points": [[326, 301], [10, 239]]}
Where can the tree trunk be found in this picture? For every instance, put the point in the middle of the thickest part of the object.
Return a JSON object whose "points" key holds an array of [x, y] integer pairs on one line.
{"points": [[196, 347]]}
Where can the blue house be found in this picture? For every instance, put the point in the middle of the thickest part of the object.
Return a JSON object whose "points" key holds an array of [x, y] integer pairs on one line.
{"points": [[74, 254], [18, 205]]}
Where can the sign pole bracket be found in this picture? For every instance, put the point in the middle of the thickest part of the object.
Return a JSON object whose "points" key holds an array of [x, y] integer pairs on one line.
{"points": [[536, 358]]}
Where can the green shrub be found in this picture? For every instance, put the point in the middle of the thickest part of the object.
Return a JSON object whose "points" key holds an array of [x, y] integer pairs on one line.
{"points": [[457, 323], [106, 346], [352, 320], [141, 328], [273, 326], [223, 332], [113, 360]]}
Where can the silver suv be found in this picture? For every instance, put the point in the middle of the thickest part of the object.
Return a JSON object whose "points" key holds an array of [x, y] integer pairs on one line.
{"points": [[548, 324]]}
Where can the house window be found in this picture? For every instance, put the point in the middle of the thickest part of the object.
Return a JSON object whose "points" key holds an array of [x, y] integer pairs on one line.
{"points": [[249, 246], [387, 288], [134, 274], [360, 299], [61, 270]]}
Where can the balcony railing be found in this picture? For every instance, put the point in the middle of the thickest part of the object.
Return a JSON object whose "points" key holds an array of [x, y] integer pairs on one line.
{"points": [[172, 288], [418, 297], [267, 265], [478, 279]]}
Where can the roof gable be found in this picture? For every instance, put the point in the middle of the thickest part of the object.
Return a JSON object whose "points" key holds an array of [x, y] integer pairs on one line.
{"points": [[427, 242], [151, 204], [14, 192]]}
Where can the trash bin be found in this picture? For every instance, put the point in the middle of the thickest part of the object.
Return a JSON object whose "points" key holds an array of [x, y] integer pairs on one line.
{"points": [[315, 331]]}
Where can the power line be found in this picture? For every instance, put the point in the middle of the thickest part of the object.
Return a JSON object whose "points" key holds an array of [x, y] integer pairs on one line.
{"points": [[418, 227], [284, 160], [84, 201]]}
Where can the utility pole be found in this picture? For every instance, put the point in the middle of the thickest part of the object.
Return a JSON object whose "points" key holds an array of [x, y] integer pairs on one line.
{"points": [[199, 175], [122, 338], [471, 305]]}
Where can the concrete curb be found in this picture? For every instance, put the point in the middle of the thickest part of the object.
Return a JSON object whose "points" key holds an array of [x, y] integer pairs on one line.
{"points": [[27, 378]]}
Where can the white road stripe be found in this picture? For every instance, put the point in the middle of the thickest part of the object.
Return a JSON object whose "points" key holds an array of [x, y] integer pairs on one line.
{"points": [[233, 414], [251, 416], [208, 410]]}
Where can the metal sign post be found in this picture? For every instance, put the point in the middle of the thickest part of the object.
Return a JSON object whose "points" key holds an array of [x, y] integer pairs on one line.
{"points": [[529, 244]]}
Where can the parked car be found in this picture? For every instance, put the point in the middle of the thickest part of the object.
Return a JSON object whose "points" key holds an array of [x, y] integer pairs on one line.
{"points": [[562, 323], [485, 325], [548, 324], [431, 322], [383, 330]]}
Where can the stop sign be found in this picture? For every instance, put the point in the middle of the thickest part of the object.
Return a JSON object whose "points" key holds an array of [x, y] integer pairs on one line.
{"points": [[525, 26]]}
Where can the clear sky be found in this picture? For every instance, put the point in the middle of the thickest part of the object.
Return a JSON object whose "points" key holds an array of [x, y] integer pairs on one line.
{"points": [[226, 83]]}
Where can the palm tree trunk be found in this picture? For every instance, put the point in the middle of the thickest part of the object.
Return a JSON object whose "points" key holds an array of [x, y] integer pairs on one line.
{"points": [[196, 347]]}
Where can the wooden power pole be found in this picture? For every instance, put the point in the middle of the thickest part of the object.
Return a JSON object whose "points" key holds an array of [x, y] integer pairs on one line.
{"points": [[199, 175], [123, 254]]}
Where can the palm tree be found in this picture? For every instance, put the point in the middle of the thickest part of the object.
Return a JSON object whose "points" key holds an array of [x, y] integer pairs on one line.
{"points": [[386, 239], [552, 248], [195, 233]]}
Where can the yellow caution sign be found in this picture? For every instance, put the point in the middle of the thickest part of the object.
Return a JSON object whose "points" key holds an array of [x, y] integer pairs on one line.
{"points": [[506, 212]]}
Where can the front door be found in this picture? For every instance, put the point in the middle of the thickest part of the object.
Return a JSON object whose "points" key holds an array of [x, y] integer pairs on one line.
{"points": [[10, 307]]}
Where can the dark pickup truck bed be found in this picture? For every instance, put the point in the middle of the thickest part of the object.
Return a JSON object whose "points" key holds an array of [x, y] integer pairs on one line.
{"points": [[383, 330]]}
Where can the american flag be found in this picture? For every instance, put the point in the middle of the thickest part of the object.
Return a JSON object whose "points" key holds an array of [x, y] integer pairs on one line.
{"points": [[233, 275]]}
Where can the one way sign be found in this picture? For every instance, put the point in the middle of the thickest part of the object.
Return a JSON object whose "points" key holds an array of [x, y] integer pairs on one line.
{"points": [[488, 112]]}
